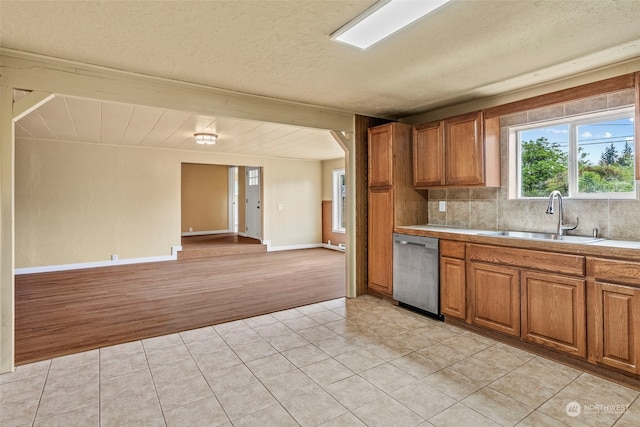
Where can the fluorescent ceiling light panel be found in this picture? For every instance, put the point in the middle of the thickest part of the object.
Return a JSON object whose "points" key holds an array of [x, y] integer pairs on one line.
{"points": [[383, 19]]}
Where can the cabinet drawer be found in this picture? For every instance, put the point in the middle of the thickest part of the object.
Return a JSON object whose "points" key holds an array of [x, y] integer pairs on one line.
{"points": [[535, 260], [451, 249], [614, 271]]}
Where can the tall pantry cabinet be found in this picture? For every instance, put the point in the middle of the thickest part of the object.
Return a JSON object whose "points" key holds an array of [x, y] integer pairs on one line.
{"points": [[392, 200]]}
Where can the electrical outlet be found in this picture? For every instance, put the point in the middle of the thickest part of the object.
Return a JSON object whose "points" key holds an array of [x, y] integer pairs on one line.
{"points": [[442, 206], [114, 257]]}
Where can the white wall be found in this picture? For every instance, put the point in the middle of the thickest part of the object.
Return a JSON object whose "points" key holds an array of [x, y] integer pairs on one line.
{"points": [[79, 203]]}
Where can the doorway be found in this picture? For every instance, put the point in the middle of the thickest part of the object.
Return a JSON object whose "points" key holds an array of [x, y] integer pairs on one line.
{"points": [[253, 212]]}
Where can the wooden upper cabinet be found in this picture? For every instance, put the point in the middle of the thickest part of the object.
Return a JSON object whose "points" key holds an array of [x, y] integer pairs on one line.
{"points": [[381, 156], [428, 155], [461, 151], [464, 150]]}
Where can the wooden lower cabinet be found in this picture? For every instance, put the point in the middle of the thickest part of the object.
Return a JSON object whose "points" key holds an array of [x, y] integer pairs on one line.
{"points": [[553, 312], [380, 243], [617, 326], [495, 297], [453, 298]]}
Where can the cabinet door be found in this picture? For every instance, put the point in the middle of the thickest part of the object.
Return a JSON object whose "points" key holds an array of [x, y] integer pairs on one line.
{"points": [[381, 156], [453, 296], [553, 312], [618, 321], [495, 297], [428, 155], [464, 150], [380, 244]]}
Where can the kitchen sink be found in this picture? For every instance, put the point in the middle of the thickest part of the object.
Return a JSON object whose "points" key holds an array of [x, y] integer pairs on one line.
{"points": [[544, 236]]}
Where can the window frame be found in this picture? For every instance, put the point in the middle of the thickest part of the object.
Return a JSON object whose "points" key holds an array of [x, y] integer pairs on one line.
{"points": [[338, 207], [573, 122]]}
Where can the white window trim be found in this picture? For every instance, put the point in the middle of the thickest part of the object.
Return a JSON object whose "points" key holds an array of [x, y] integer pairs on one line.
{"points": [[337, 215], [515, 184]]}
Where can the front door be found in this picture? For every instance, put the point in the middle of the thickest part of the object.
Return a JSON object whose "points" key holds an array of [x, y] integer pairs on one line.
{"points": [[253, 211]]}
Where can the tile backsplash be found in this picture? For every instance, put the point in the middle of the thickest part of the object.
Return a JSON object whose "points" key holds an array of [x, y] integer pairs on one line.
{"points": [[492, 209]]}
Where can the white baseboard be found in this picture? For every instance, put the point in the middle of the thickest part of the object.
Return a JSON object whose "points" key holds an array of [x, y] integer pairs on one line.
{"points": [[79, 266], [204, 233], [333, 247], [290, 247]]}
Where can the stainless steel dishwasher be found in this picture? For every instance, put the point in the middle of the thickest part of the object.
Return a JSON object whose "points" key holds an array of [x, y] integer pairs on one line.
{"points": [[416, 279]]}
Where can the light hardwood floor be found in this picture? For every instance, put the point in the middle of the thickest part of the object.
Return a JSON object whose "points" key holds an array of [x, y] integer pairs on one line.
{"points": [[68, 312]]}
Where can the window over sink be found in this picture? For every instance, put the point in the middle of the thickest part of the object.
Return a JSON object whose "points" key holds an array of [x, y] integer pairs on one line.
{"points": [[588, 156]]}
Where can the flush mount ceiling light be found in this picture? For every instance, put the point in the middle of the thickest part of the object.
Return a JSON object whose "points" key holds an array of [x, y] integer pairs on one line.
{"points": [[206, 138], [383, 19]]}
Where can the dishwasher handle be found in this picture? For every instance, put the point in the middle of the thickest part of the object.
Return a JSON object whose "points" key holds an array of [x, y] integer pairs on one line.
{"points": [[404, 242]]}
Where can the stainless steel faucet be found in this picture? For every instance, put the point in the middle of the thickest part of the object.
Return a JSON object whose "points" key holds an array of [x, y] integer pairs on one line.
{"points": [[550, 211]]}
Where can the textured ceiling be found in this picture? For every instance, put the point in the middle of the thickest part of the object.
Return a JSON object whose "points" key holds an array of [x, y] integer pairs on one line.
{"points": [[281, 49]]}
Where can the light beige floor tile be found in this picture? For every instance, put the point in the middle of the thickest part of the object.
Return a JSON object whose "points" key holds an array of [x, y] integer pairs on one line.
{"points": [[477, 370], [243, 401], [182, 392], [273, 416], [327, 371], [27, 389], [305, 355], [287, 314], [122, 385], [452, 383], [130, 409], [344, 420], [324, 317], [314, 408], [311, 308], [333, 303], [538, 419], [26, 371], [54, 402], [442, 355], [257, 321], [173, 372], [523, 388], [200, 334], [272, 329], [290, 384], [162, 342], [202, 413], [254, 350], [86, 417], [316, 333], [237, 376], [170, 354], [387, 351], [230, 328], [300, 323], [207, 346], [344, 326], [336, 345], [500, 408], [287, 341], [423, 399], [411, 341], [599, 401], [416, 364], [234, 339], [72, 377], [631, 417], [503, 357], [18, 413], [212, 362], [385, 412], [359, 359], [465, 344], [75, 360], [460, 415], [388, 378], [114, 366], [121, 350], [551, 375], [354, 391], [436, 333], [270, 366]]}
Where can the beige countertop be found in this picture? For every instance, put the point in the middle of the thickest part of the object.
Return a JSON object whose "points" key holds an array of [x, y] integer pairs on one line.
{"points": [[606, 247]]}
